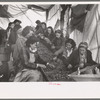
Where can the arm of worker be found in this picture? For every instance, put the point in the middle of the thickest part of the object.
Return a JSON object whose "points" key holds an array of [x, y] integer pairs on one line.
{"points": [[59, 51]]}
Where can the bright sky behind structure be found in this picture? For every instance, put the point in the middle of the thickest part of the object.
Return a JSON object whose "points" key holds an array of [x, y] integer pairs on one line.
{"points": [[30, 17], [27, 19]]}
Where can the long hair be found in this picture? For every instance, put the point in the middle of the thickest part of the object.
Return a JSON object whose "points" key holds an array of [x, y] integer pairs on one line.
{"points": [[26, 30], [44, 24], [52, 31]]}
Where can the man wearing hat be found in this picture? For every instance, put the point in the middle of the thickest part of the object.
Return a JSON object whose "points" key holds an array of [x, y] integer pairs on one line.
{"points": [[38, 24], [13, 35], [17, 22], [38, 28]]}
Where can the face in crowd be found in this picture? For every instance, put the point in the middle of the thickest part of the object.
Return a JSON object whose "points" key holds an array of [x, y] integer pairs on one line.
{"points": [[83, 46], [43, 25], [49, 30], [58, 35], [12, 25], [17, 23], [68, 46], [29, 34], [82, 50], [33, 46], [19, 31], [32, 43]]}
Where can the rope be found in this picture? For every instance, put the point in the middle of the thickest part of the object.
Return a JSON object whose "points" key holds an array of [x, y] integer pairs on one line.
{"points": [[24, 14], [54, 14]]}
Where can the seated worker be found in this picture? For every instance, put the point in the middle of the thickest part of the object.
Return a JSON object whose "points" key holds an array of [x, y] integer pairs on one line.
{"points": [[41, 28], [32, 63], [4, 58], [58, 43], [51, 34], [80, 58], [44, 27], [38, 28], [19, 46], [70, 46]]}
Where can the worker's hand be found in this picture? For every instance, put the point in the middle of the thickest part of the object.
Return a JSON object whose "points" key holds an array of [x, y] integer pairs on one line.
{"points": [[51, 65], [81, 65], [41, 65], [53, 47], [56, 53], [55, 58], [41, 35], [70, 66], [47, 40]]}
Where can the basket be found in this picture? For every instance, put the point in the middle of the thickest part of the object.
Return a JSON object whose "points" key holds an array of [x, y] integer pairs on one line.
{"points": [[85, 77]]}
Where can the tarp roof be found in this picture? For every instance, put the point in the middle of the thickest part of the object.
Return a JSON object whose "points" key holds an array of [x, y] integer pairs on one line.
{"points": [[13, 10], [41, 7]]}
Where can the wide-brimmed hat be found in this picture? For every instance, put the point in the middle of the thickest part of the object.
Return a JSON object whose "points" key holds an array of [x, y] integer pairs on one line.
{"points": [[10, 23], [16, 20], [38, 22]]}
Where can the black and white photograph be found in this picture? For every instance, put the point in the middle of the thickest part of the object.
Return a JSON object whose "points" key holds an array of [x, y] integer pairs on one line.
{"points": [[49, 42], [49, 50]]}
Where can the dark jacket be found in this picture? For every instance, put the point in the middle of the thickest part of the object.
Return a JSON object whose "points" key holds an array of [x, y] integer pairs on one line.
{"points": [[26, 57], [38, 60], [51, 36], [13, 35], [58, 42], [39, 30], [74, 59]]}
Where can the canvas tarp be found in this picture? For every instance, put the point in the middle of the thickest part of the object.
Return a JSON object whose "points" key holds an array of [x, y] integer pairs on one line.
{"points": [[54, 17], [91, 32], [21, 12]]}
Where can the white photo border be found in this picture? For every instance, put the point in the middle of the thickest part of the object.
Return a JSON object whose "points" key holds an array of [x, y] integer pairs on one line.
{"points": [[43, 90]]}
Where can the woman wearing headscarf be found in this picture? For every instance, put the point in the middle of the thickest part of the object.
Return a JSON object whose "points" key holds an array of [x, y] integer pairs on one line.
{"points": [[81, 58]]}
